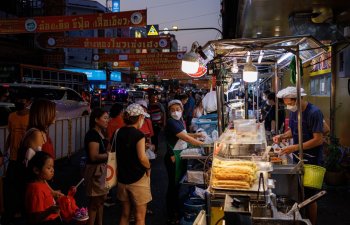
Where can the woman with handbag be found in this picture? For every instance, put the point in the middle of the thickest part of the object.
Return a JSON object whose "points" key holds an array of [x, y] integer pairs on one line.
{"points": [[96, 144], [133, 166]]}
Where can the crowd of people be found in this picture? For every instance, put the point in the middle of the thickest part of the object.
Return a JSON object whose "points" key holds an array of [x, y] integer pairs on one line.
{"points": [[129, 131], [133, 128]]}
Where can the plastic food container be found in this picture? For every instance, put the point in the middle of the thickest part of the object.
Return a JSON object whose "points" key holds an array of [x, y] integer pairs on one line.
{"points": [[244, 126]]}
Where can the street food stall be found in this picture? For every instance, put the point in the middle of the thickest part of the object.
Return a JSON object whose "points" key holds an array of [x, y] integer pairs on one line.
{"points": [[246, 179]]}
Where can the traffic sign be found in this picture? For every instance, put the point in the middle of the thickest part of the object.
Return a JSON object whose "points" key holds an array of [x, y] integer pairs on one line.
{"points": [[153, 30]]}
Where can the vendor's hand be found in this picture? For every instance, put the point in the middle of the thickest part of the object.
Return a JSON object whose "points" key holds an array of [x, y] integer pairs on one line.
{"points": [[172, 158], [148, 173], [276, 139], [289, 149]]}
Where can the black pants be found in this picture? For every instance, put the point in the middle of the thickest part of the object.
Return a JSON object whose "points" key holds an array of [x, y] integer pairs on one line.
{"points": [[172, 200], [156, 130], [14, 190]]}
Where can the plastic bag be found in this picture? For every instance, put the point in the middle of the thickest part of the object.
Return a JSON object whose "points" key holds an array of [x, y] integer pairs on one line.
{"points": [[209, 102], [150, 154], [68, 206]]}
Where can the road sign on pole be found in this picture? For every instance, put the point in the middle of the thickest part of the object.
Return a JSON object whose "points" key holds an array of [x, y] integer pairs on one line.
{"points": [[153, 30]]}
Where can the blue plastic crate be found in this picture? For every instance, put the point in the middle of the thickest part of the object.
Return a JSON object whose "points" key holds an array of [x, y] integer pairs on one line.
{"points": [[212, 116], [207, 126]]}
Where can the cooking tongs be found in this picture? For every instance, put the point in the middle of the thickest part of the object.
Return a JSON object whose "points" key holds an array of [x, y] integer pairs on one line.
{"points": [[260, 207], [313, 198]]}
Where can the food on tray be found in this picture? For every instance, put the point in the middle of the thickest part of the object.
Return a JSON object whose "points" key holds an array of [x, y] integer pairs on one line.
{"points": [[275, 160], [233, 174], [234, 169], [222, 163], [231, 184]]}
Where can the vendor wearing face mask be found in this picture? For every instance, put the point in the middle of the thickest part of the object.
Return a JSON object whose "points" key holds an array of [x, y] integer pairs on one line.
{"points": [[312, 124], [177, 139]]}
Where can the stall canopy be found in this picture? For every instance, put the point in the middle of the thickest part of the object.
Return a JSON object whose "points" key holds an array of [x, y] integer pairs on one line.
{"points": [[274, 52], [270, 50]]}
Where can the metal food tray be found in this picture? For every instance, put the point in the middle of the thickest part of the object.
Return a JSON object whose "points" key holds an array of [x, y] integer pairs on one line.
{"points": [[254, 187], [263, 166]]}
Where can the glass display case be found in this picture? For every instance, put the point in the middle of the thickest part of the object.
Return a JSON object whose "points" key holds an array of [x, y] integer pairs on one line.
{"points": [[240, 158], [247, 141]]}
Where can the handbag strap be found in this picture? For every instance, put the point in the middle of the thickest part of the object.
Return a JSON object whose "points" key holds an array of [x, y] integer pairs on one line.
{"points": [[114, 140]]}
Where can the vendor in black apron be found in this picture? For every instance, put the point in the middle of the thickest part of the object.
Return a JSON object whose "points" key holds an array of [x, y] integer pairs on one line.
{"points": [[312, 125], [177, 139]]}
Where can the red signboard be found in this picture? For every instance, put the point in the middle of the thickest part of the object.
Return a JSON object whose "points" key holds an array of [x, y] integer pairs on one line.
{"points": [[142, 63], [77, 22], [139, 57], [108, 43], [201, 71]]}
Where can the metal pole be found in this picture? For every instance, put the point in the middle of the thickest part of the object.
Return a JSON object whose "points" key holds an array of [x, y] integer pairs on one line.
{"points": [[222, 105], [194, 28], [246, 100], [300, 118], [276, 100], [333, 88], [219, 106], [253, 99], [257, 100]]}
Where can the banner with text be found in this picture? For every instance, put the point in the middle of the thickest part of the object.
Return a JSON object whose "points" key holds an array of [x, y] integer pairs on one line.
{"points": [[146, 63], [77, 22], [139, 57], [108, 43]]}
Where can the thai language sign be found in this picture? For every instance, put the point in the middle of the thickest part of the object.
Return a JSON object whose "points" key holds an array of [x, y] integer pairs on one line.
{"points": [[108, 43], [124, 64], [160, 56], [77, 22]]}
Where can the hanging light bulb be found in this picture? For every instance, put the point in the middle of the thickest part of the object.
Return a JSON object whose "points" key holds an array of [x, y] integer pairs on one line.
{"points": [[190, 63], [250, 74], [234, 68], [248, 56]]}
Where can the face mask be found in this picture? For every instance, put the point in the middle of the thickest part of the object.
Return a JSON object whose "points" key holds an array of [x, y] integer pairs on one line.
{"points": [[264, 98], [292, 108], [19, 106], [176, 115], [268, 103]]}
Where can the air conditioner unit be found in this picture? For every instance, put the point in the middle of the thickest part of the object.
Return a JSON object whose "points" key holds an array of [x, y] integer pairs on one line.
{"points": [[343, 63]]}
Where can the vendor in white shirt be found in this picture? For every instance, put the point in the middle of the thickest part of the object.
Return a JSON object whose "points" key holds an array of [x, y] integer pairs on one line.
{"points": [[177, 139]]}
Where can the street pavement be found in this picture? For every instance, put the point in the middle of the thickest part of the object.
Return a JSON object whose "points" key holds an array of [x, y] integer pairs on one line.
{"points": [[334, 208]]}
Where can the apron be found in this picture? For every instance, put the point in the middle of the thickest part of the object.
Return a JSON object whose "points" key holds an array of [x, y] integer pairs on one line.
{"points": [[180, 165]]}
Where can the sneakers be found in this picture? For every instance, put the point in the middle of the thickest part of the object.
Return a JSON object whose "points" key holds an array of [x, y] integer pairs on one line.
{"points": [[81, 214]]}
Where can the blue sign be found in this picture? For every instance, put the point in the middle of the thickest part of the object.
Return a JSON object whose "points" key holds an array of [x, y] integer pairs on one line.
{"points": [[116, 76], [116, 6], [91, 74]]}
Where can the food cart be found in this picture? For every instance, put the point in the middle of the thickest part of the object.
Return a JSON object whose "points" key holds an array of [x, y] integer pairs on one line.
{"points": [[243, 180]]}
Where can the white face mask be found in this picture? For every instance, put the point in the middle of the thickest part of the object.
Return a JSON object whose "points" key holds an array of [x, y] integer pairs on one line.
{"points": [[268, 103], [264, 98], [292, 108], [176, 115]]}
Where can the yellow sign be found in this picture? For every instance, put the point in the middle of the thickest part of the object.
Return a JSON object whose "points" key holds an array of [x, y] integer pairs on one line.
{"points": [[152, 30]]}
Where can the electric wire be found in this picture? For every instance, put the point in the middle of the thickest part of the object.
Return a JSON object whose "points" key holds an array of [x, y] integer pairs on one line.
{"points": [[192, 17], [169, 4]]}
